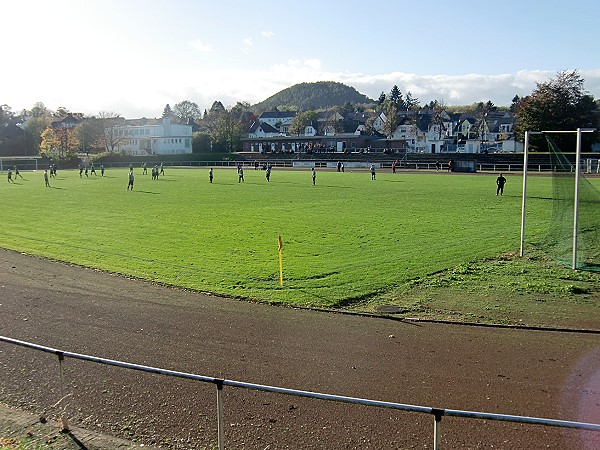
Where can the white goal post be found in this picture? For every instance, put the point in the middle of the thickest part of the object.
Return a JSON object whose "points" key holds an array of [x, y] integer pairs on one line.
{"points": [[23, 162], [576, 200]]}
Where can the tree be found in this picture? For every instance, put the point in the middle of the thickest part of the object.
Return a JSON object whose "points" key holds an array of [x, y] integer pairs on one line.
{"points": [[391, 118], [395, 94], [201, 142], [301, 121], [186, 110], [242, 112], [6, 114], [90, 134], [39, 110], [370, 125], [109, 123], [39, 119], [217, 108], [167, 112], [516, 102], [61, 141], [62, 111], [381, 98], [439, 108], [411, 102], [560, 104], [228, 132]]}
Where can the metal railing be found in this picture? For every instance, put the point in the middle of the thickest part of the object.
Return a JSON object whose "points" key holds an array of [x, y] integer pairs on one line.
{"points": [[220, 383]]}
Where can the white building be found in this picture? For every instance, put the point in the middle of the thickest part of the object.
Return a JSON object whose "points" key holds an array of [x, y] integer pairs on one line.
{"points": [[154, 138]]}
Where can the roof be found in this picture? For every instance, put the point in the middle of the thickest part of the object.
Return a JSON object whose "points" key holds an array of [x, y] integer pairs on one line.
{"points": [[265, 127], [277, 115]]}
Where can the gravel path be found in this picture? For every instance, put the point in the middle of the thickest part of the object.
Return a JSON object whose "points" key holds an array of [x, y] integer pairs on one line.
{"points": [[534, 373]]}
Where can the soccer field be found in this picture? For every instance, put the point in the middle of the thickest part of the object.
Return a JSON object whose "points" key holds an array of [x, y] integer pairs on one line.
{"points": [[346, 238]]}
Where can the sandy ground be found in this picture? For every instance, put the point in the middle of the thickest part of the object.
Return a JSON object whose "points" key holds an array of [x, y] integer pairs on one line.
{"points": [[533, 373]]}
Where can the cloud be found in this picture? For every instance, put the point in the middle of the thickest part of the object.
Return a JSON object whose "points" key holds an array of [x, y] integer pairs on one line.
{"points": [[248, 42], [267, 34], [132, 96], [201, 46]]}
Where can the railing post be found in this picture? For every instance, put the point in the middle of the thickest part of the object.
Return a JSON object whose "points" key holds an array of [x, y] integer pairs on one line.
{"points": [[63, 418], [220, 419], [437, 428]]}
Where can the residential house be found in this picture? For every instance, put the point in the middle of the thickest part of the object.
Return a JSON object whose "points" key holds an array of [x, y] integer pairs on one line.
{"points": [[263, 129], [280, 120], [423, 131], [70, 120]]}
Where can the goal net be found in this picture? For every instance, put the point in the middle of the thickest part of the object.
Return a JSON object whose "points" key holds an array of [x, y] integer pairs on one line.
{"points": [[558, 243], [22, 162]]}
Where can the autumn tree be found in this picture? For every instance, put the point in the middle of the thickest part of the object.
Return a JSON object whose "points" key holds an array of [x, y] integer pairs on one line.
{"points": [[60, 141], [391, 118]]}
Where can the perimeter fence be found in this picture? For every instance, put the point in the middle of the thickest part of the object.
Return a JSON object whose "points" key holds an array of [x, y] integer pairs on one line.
{"points": [[220, 383]]}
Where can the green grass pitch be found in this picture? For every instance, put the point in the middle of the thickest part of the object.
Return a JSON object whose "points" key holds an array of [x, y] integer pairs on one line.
{"points": [[347, 238]]}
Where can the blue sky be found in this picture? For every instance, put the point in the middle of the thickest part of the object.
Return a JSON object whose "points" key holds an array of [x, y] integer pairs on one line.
{"points": [[133, 57]]}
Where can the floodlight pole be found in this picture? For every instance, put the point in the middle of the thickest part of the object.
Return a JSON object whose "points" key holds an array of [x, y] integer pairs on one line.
{"points": [[576, 206]]}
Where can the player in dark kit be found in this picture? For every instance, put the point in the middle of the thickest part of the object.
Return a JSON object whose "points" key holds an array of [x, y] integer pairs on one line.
{"points": [[130, 184], [500, 182]]}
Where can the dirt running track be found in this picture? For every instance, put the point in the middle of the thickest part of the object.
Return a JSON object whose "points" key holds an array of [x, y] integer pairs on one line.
{"points": [[535, 373]]}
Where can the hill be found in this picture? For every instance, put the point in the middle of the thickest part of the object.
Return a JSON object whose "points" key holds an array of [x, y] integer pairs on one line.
{"points": [[319, 95]]}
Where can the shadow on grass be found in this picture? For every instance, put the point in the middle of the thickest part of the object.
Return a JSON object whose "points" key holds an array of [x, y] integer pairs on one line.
{"points": [[77, 442], [54, 187], [147, 192]]}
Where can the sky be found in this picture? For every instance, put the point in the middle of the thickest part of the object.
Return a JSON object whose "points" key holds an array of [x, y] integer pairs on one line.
{"points": [[133, 57]]}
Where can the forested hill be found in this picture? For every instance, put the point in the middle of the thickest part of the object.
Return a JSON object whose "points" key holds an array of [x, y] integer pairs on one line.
{"points": [[319, 95]]}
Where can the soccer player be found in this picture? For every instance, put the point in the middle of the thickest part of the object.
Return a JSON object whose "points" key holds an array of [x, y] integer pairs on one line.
{"points": [[372, 171], [210, 175], [80, 170], [145, 169], [240, 174], [9, 173], [500, 182], [314, 176], [17, 174], [268, 173], [46, 178], [102, 169], [130, 184], [93, 170], [162, 170]]}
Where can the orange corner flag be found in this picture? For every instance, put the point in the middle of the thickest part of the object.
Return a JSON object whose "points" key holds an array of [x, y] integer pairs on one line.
{"points": [[279, 247]]}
